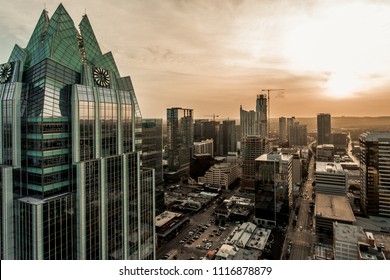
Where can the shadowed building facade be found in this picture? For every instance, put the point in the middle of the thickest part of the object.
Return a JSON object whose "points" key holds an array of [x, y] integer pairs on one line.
{"points": [[72, 186], [179, 145]]}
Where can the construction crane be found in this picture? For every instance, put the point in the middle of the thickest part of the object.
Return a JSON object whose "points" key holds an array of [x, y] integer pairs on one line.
{"points": [[213, 115], [268, 90]]}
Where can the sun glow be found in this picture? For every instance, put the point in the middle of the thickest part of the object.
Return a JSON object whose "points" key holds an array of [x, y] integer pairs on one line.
{"points": [[341, 85]]}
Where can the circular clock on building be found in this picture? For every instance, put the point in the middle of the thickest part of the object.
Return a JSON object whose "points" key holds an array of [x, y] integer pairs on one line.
{"points": [[5, 72], [101, 77]]}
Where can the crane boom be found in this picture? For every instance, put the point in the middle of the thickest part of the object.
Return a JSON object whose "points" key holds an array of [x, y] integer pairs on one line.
{"points": [[268, 90]]}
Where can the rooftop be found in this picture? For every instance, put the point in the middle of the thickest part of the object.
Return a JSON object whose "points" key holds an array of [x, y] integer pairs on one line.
{"points": [[334, 207], [165, 217], [329, 167], [348, 233], [275, 156]]}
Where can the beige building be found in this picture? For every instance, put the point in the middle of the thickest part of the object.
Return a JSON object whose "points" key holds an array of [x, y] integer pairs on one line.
{"points": [[220, 175]]}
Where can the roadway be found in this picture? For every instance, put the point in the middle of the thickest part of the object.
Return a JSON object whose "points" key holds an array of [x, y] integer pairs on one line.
{"points": [[349, 150], [300, 239]]}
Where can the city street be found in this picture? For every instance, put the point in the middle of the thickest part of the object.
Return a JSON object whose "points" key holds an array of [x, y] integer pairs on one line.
{"points": [[299, 239]]}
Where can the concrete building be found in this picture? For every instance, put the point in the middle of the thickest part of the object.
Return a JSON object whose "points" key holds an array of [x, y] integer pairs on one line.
{"points": [[330, 209], [324, 129], [375, 173], [71, 178], [345, 241], [221, 175], [204, 147], [331, 178], [226, 252], [282, 130], [297, 135], [248, 235], [169, 224], [339, 140], [325, 153]]}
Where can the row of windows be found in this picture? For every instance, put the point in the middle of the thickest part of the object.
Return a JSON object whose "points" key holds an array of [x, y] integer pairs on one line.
{"points": [[42, 127], [46, 144], [43, 162], [47, 179]]}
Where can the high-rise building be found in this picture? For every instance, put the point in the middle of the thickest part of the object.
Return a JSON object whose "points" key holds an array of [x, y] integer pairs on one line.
{"points": [[229, 142], [152, 146], [71, 180], [297, 135], [273, 187], [255, 122], [324, 129], [179, 145], [204, 147], [252, 148], [331, 178], [375, 173], [282, 130]]}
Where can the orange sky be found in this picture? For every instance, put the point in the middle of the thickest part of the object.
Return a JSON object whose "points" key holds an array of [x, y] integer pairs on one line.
{"points": [[213, 56]]}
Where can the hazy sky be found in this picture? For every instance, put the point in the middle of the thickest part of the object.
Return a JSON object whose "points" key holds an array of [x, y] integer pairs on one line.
{"points": [[213, 56]]}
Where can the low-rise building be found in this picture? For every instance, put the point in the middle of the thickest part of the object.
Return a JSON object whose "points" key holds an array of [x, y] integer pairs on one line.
{"points": [[346, 239], [168, 224], [330, 209]]}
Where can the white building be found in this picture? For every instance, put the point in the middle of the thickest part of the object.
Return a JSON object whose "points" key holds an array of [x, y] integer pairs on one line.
{"points": [[221, 175], [331, 178], [204, 147]]}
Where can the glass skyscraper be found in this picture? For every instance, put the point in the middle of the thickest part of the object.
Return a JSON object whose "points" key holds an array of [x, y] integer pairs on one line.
{"points": [[72, 186], [180, 132], [324, 129]]}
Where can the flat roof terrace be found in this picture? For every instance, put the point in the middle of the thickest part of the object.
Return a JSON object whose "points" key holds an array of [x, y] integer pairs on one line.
{"points": [[334, 207]]}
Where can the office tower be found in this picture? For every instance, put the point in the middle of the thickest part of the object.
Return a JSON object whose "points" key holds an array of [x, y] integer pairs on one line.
{"points": [[252, 148], [255, 122], [205, 129], [325, 153], [273, 187], [70, 151], [324, 129], [339, 140], [331, 178], [290, 121], [152, 146], [375, 173], [297, 135], [220, 175], [229, 142], [204, 147], [179, 145], [282, 130]]}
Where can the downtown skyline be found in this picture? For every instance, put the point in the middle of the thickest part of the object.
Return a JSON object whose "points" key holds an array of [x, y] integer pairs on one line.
{"points": [[213, 56]]}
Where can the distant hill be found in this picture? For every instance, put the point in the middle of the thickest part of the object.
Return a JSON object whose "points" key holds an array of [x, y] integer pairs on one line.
{"points": [[345, 123]]}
